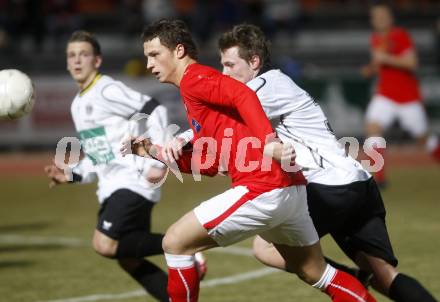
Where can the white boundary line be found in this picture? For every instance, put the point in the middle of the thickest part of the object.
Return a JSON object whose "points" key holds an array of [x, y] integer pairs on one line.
{"points": [[76, 242], [41, 240], [209, 283]]}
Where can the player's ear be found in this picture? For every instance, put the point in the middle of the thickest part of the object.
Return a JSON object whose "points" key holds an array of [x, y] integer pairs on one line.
{"points": [[255, 62], [180, 51], [98, 61]]}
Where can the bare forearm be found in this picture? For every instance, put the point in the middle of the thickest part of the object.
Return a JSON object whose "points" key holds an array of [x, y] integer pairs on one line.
{"points": [[401, 62]]}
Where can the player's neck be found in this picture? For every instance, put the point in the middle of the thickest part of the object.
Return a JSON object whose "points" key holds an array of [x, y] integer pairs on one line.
{"points": [[180, 70], [384, 31], [88, 81]]}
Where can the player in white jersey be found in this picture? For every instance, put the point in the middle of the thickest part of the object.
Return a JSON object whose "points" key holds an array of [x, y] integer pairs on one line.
{"points": [[102, 113], [343, 198]]}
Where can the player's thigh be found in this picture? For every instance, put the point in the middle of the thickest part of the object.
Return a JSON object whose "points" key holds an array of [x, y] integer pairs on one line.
{"points": [[381, 111], [294, 226], [331, 207], [187, 236], [124, 211], [369, 234], [413, 119]]}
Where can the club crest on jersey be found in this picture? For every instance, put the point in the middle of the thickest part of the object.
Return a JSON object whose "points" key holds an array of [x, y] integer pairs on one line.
{"points": [[196, 125], [89, 109]]}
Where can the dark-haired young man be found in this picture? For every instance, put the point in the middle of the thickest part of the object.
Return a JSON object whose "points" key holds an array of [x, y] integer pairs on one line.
{"points": [[101, 113], [231, 133], [343, 198]]}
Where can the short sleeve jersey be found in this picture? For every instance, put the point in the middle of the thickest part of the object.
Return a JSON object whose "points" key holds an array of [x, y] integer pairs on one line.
{"points": [[397, 84]]}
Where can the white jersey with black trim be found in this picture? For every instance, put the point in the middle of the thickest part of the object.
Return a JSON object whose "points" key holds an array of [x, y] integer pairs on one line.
{"points": [[298, 119], [102, 113]]}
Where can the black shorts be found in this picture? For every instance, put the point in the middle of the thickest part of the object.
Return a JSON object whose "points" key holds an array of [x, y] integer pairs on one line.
{"points": [[354, 215], [124, 211]]}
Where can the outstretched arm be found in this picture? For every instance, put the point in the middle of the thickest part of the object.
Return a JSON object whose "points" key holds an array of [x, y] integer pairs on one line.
{"points": [[407, 60], [186, 163]]}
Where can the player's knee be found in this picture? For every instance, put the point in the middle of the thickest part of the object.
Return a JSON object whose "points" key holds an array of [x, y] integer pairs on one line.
{"points": [[309, 273], [171, 243], [383, 273], [105, 247], [309, 269]]}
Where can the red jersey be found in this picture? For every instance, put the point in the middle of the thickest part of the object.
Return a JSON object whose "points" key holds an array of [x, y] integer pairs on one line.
{"points": [[398, 84], [228, 115]]}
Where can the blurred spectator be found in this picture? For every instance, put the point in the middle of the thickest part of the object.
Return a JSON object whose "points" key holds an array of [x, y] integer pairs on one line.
{"points": [[284, 15], [157, 9], [204, 19], [62, 20], [21, 17], [253, 13], [36, 22], [229, 12], [185, 10], [437, 44], [132, 17]]}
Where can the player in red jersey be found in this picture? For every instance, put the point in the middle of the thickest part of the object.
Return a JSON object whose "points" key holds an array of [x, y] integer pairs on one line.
{"points": [[231, 131], [397, 95]]}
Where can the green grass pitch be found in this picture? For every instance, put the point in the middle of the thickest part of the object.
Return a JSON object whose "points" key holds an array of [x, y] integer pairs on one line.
{"points": [[45, 251]]}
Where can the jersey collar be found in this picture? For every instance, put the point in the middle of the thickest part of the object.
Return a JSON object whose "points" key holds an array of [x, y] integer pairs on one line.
{"points": [[264, 69], [92, 83]]}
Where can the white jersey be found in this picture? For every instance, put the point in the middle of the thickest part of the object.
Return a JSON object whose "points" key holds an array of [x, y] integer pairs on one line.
{"points": [[101, 113], [298, 119]]}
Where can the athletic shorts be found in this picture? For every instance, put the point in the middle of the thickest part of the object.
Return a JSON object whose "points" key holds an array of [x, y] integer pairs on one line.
{"points": [[411, 116], [124, 211], [354, 215], [279, 216]]}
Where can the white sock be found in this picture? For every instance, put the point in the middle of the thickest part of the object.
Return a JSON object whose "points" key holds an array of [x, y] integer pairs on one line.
{"points": [[326, 278], [179, 261], [432, 143]]}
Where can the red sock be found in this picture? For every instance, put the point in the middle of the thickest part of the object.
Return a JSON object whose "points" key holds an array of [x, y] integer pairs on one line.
{"points": [[183, 284], [379, 176], [436, 153], [346, 288]]}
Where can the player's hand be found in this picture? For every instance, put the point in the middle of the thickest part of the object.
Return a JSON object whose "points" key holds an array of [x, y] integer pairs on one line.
{"points": [[283, 153], [136, 145], [173, 149], [56, 175], [288, 154], [379, 57], [367, 71]]}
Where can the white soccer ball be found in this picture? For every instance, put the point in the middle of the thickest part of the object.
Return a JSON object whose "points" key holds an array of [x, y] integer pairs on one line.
{"points": [[16, 94]]}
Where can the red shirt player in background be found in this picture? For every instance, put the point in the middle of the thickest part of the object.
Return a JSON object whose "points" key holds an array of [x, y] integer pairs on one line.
{"points": [[226, 116], [397, 95]]}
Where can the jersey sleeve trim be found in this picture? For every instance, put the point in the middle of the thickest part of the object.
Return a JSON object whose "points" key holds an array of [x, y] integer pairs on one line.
{"points": [[92, 83], [149, 106]]}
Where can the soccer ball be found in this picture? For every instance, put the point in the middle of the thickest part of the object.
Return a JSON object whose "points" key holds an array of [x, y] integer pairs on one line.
{"points": [[16, 94]]}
